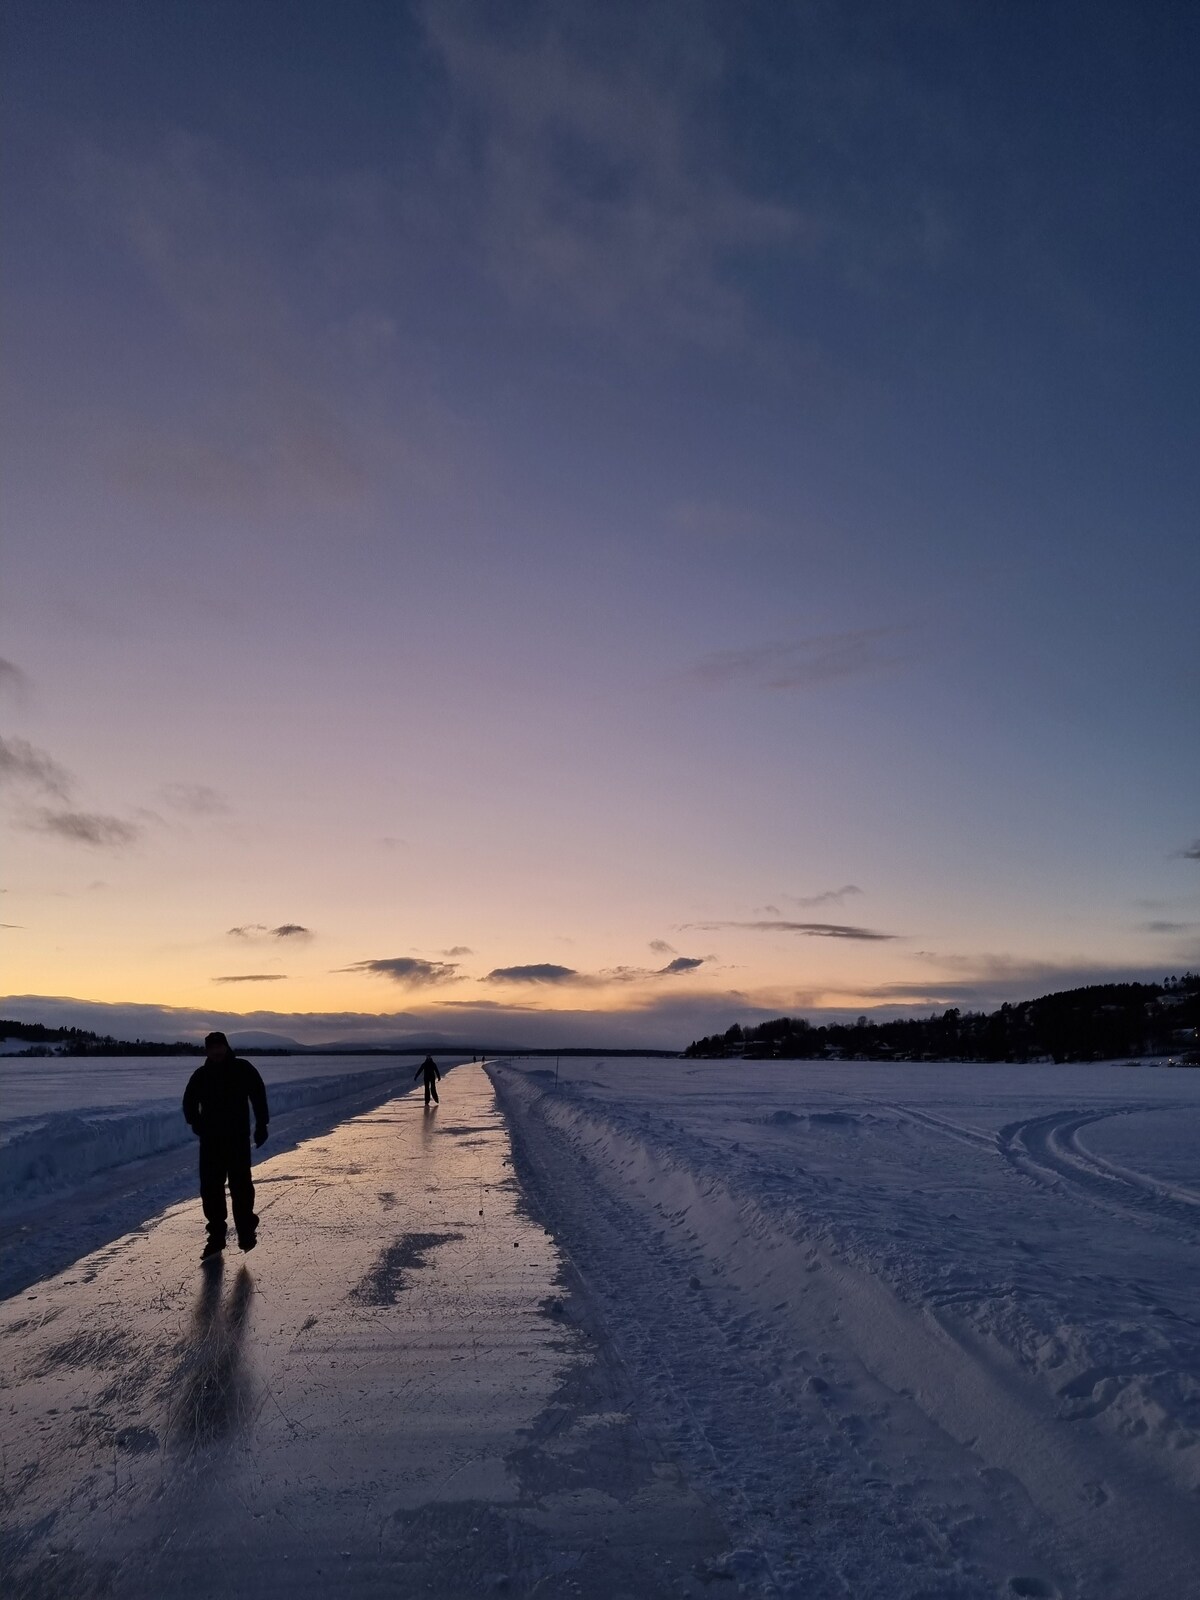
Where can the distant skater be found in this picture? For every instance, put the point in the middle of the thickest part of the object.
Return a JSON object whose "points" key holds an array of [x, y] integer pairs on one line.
{"points": [[217, 1103], [429, 1068]]}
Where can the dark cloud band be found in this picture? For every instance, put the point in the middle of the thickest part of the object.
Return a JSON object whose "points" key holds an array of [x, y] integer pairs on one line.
{"points": [[409, 970], [535, 972], [808, 930], [93, 828]]}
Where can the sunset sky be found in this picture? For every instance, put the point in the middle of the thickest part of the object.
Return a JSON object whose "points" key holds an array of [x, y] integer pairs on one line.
{"points": [[659, 514]]}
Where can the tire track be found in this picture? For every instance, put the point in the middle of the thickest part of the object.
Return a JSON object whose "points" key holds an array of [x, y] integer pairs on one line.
{"points": [[1048, 1149]]}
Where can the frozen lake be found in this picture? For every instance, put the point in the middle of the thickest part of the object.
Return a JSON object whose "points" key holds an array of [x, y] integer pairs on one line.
{"points": [[388, 1397], [951, 1298], [90, 1148], [919, 1332], [61, 1121], [33, 1087]]}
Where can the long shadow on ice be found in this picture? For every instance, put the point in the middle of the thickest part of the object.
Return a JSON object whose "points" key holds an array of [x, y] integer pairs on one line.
{"points": [[212, 1394]]}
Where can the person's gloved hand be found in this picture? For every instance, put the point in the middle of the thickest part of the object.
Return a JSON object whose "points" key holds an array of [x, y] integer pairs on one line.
{"points": [[260, 1133]]}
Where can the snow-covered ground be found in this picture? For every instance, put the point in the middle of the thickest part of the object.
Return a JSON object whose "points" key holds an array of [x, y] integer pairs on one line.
{"points": [[793, 1330], [90, 1149], [34, 1086], [61, 1120], [922, 1330]]}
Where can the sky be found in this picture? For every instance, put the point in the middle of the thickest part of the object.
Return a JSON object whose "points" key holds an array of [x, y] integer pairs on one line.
{"points": [[586, 524]]}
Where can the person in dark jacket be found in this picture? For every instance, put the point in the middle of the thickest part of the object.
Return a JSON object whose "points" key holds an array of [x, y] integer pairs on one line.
{"points": [[429, 1068], [217, 1103]]}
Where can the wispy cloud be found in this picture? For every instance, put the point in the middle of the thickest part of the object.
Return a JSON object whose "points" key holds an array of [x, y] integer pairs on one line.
{"points": [[12, 679], [535, 972], [576, 147], [673, 969], [24, 765], [291, 930], [1190, 852], [807, 663], [661, 947], [827, 897], [94, 828], [488, 1005], [810, 930], [259, 930], [253, 977], [196, 799], [167, 205], [408, 970], [547, 972], [991, 978], [1169, 927], [458, 950]]}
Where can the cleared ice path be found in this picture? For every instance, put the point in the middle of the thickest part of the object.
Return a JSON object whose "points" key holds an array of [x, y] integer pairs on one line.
{"points": [[391, 1395]]}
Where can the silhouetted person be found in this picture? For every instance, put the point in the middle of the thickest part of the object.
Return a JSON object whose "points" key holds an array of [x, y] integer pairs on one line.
{"points": [[217, 1103], [429, 1068]]}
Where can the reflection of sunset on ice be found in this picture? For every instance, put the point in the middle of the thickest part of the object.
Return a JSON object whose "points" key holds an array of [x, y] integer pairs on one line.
{"points": [[386, 1372]]}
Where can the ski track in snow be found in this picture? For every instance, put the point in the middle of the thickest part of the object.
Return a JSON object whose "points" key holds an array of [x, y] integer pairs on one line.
{"points": [[911, 1352]]}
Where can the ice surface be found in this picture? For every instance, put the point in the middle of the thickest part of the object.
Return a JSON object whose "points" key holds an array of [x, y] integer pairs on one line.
{"points": [[61, 1121], [889, 1332], [930, 1330], [392, 1395], [71, 1180]]}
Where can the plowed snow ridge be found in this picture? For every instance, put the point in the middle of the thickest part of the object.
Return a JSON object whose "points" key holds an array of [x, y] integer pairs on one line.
{"points": [[918, 1354]]}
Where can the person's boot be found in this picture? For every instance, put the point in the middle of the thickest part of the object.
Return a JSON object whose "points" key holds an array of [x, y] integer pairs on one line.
{"points": [[212, 1247], [247, 1241]]}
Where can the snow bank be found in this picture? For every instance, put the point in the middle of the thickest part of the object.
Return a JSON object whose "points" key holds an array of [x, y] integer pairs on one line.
{"points": [[921, 1292], [63, 1148]]}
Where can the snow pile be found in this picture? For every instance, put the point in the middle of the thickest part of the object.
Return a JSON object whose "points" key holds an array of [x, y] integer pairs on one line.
{"points": [[60, 1149], [930, 1293]]}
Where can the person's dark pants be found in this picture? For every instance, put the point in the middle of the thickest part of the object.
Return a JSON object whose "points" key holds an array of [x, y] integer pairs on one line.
{"points": [[222, 1161], [431, 1091]]}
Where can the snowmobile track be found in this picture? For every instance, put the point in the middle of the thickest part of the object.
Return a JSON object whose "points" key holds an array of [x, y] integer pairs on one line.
{"points": [[1048, 1149]]}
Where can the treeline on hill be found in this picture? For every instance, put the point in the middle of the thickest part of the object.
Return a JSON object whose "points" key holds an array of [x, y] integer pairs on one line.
{"points": [[1092, 1024], [79, 1042]]}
